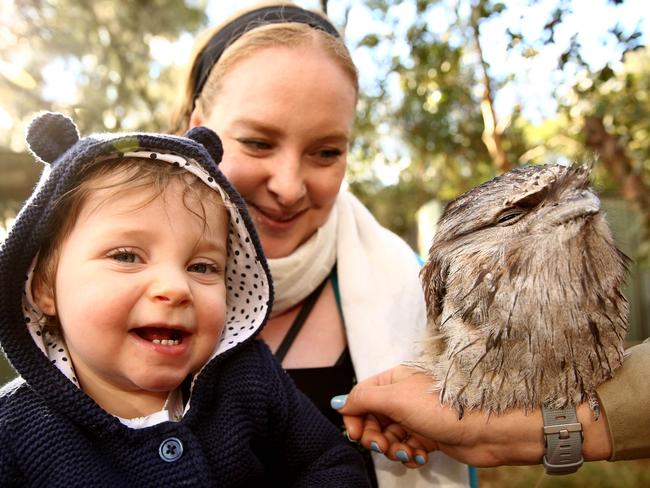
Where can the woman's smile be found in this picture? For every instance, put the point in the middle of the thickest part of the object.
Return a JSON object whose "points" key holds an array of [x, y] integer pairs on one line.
{"points": [[275, 220]]}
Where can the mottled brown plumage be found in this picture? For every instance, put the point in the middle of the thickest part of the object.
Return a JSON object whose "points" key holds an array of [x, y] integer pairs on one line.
{"points": [[523, 289]]}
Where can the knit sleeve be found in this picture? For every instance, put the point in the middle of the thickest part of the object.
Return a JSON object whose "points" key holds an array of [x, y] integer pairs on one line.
{"points": [[309, 450], [9, 472], [626, 401]]}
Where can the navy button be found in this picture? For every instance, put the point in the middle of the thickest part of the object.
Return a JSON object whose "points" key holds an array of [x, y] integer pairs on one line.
{"points": [[171, 449]]}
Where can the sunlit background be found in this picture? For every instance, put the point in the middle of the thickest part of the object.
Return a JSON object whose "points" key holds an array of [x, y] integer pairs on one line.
{"points": [[534, 74], [453, 93]]}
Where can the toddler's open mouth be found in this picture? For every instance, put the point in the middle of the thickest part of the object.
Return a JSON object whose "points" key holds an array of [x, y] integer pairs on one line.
{"points": [[161, 335]]}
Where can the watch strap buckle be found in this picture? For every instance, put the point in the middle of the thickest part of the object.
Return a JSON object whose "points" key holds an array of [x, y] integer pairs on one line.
{"points": [[563, 441]]}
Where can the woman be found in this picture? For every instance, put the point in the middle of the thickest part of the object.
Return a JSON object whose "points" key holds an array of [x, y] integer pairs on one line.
{"points": [[279, 87]]}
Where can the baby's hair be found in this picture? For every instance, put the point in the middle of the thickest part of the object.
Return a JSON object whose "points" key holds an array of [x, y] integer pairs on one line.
{"points": [[116, 176], [290, 34]]}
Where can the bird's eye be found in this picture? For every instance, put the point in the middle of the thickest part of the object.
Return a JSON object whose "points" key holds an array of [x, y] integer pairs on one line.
{"points": [[509, 216]]}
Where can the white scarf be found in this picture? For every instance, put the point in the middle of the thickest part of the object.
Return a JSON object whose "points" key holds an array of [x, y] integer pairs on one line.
{"points": [[383, 310], [297, 275]]}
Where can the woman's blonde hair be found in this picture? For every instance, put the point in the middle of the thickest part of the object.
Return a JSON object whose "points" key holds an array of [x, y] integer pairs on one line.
{"points": [[289, 34]]}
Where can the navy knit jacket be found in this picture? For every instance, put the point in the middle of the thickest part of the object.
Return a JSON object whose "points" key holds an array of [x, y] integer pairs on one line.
{"points": [[247, 424]]}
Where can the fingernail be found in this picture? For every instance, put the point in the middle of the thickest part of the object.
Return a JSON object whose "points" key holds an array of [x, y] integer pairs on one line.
{"points": [[338, 401], [402, 456], [420, 459], [375, 447]]}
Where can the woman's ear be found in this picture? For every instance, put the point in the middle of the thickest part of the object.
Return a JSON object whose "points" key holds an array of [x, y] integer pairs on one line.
{"points": [[196, 119], [43, 296]]}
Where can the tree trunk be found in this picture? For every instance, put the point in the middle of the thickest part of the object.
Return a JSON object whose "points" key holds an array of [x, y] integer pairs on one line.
{"points": [[618, 165], [323, 6], [491, 135]]}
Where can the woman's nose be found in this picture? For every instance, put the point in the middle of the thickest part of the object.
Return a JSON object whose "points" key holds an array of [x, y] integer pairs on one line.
{"points": [[286, 180], [170, 286]]}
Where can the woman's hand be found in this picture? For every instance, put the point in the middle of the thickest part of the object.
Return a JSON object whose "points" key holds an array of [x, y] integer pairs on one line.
{"points": [[398, 411]]}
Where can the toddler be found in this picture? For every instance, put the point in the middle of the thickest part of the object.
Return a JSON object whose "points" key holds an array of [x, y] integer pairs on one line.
{"points": [[132, 289]]}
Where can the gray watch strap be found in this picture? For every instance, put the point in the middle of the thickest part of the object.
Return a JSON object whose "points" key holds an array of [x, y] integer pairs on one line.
{"points": [[563, 441]]}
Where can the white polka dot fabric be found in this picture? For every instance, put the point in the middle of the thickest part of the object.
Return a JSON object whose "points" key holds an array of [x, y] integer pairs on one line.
{"points": [[247, 287], [51, 343]]}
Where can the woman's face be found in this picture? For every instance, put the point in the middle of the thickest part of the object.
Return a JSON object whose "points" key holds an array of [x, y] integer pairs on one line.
{"points": [[284, 115]]}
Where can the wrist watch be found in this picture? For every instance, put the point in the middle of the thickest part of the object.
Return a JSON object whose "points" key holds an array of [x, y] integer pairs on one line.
{"points": [[562, 441]]}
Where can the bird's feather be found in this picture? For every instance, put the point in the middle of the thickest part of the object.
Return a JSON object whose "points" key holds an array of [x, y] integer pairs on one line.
{"points": [[523, 287]]}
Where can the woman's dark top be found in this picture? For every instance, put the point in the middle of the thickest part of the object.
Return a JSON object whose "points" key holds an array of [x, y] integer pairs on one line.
{"points": [[321, 384]]}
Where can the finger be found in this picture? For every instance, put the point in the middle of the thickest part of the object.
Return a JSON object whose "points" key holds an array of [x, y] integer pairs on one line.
{"points": [[376, 394], [395, 442], [373, 437], [404, 447], [360, 401], [420, 455], [402, 452], [395, 433], [414, 448], [367, 396], [354, 426], [397, 449]]}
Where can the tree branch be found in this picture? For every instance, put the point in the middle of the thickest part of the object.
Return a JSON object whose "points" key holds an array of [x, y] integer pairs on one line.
{"points": [[619, 166]]}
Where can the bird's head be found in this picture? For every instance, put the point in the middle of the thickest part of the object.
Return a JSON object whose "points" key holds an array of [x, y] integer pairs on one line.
{"points": [[521, 202], [521, 225]]}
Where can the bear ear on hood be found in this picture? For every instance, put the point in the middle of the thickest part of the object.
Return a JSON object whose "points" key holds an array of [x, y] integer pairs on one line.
{"points": [[51, 134], [208, 139]]}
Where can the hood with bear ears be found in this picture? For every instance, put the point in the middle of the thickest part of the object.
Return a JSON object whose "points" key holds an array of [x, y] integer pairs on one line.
{"points": [[54, 140]]}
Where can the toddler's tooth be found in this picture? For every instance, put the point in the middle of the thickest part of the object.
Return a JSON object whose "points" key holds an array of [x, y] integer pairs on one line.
{"points": [[167, 342]]}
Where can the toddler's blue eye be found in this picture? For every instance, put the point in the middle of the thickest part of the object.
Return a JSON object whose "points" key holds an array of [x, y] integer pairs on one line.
{"points": [[124, 256], [202, 268]]}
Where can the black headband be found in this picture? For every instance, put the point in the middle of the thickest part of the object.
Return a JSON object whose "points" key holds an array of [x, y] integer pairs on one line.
{"points": [[249, 21]]}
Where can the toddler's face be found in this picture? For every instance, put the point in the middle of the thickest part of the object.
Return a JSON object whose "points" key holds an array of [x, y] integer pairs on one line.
{"points": [[139, 291]]}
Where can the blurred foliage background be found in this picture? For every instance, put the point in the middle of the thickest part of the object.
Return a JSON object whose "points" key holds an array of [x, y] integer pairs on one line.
{"points": [[429, 126]]}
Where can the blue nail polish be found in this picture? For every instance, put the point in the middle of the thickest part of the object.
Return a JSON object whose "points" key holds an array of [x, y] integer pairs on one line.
{"points": [[420, 459], [375, 447], [338, 401], [402, 456]]}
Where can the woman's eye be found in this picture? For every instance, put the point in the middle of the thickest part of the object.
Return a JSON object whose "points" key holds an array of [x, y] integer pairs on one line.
{"points": [[123, 256], [203, 268], [327, 156], [255, 144], [330, 153]]}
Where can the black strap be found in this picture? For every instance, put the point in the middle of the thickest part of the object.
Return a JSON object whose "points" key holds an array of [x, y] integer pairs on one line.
{"points": [[298, 322]]}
